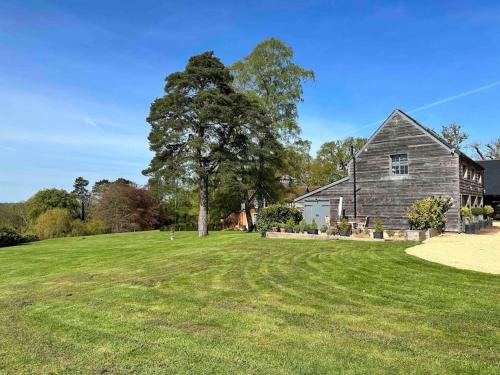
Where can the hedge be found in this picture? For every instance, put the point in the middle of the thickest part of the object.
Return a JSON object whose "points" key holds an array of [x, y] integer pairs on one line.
{"points": [[275, 215]]}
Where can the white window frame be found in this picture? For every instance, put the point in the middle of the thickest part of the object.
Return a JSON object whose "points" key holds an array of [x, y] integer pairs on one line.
{"points": [[399, 165]]}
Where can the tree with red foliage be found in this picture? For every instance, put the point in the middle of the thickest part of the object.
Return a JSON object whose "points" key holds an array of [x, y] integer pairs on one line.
{"points": [[125, 207]]}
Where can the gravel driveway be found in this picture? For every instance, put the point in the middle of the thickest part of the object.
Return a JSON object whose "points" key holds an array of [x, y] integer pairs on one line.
{"points": [[477, 252]]}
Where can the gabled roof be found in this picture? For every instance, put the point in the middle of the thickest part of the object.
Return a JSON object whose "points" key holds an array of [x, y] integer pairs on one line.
{"points": [[439, 139], [321, 189]]}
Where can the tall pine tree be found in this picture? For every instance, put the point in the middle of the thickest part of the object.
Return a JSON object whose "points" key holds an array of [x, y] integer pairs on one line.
{"points": [[200, 124]]}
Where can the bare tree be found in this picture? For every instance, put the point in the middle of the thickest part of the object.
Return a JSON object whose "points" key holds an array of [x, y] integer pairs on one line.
{"points": [[489, 151]]}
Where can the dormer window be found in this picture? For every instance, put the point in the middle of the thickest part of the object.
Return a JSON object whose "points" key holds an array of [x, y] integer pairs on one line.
{"points": [[399, 164]]}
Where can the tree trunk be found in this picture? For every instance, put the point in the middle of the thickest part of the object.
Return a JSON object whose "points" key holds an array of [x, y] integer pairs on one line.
{"points": [[248, 213], [203, 215]]}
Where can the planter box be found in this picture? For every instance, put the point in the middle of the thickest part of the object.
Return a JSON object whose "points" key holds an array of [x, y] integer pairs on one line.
{"points": [[415, 235], [378, 235], [289, 230], [312, 231], [431, 233], [421, 235], [345, 233]]}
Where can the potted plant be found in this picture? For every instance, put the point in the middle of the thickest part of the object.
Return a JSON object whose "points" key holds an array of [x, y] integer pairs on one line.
{"points": [[314, 227], [324, 228], [303, 226], [478, 214], [488, 212], [344, 228], [379, 229], [332, 231], [466, 219], [289, 225]]}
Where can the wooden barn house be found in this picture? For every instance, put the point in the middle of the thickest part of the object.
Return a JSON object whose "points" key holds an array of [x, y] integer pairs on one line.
{"points": [[401, 162]]}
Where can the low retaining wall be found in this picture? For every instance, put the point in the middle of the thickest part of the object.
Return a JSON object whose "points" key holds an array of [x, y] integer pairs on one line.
{"points": [[410, 235], [305, 236]]}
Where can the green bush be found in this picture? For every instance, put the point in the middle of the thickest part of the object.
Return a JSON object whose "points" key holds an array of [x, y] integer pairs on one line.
{"points": [[9, 237], [290, 224], [53, 223], [332, 231], [296, 228], [314, 225], [391, 233], [272, 216], [303, 226], [428, 213], [379, 228], [95, 226], [465, 212], [344, 225], [78, 228], [324, 228], [477, 211], [488, 210]]}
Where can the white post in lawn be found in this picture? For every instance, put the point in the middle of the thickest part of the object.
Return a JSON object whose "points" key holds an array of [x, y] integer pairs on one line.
{"points": [[172, 233]]}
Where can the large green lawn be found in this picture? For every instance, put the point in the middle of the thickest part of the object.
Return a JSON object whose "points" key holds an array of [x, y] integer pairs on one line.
{"points": [[237, 303]]}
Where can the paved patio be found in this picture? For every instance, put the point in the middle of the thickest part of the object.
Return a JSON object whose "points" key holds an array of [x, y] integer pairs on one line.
{"points": [[476, 252]]}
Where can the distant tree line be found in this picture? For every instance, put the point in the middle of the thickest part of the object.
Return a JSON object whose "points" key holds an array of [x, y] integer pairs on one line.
{"points": [[109, 207]]}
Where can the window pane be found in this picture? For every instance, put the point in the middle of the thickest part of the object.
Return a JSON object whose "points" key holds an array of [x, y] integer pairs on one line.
{"points": [[399, 164]]}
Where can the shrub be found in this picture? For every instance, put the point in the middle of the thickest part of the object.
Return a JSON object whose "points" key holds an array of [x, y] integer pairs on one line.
{"points": [[488, 210], [290, 224], [314, 225], [271, 216], [324, 228], [465, 212], [303, 226], [95, 226], [78, 228], [379, 228], [428, 213], [344, 224], [477, 211], [332, 231], [53, 223], [296, 228], [390, 233], [9, 237]]}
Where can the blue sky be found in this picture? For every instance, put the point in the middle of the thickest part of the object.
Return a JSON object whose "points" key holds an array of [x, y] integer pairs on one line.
{"points": [[77, 78]]}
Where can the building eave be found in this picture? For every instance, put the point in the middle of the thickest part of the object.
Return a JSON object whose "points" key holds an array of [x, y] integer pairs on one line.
{"points": [[320, 189]]}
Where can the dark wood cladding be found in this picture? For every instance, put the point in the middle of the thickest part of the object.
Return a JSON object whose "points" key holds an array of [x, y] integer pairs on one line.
{"points": [[469, 186], [433, 170]]}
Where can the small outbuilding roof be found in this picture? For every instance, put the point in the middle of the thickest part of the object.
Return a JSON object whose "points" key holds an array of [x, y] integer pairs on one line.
{"points": [[320, 189]]}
